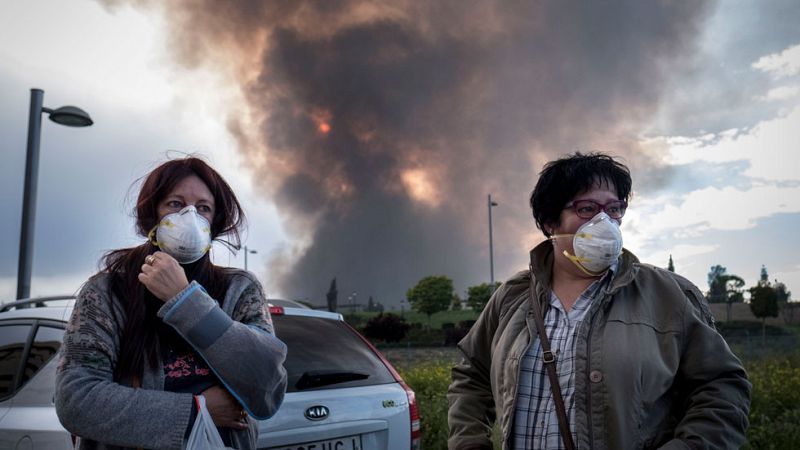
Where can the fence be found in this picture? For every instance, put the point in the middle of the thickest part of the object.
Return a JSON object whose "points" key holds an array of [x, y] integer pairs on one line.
{"points": [[789, 313]]}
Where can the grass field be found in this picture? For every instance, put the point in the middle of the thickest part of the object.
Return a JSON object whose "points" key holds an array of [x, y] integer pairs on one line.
{"points": [[406, 358]]}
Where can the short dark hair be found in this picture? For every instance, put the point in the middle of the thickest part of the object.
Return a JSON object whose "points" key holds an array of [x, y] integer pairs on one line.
{"points": [[561, 180]]}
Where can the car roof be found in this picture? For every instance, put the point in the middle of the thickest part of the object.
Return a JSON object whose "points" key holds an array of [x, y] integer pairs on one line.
{"points": [[306, 312], [59, 312], [60, 308], [282, 302]]}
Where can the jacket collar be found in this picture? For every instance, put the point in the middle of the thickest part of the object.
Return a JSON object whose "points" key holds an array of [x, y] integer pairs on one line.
{"points": [[541, 259]]}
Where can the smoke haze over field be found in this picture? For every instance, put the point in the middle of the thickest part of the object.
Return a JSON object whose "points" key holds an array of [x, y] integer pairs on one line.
{"points": [[378, 128]]}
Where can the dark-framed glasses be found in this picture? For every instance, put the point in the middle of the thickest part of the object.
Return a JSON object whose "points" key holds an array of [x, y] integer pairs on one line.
{"points": [[586, 209]]}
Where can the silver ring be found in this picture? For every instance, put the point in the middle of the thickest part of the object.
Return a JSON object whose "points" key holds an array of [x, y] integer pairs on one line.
{"points": [[150, 260]]}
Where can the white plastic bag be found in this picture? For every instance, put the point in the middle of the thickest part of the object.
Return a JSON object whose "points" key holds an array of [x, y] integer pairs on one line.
{"points": [[204, 435]]}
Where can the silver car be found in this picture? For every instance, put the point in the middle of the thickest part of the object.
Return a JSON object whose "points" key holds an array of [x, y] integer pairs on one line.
{"points": [[342, 393]]}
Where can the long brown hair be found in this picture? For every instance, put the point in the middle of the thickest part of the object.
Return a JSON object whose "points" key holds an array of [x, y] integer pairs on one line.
{"points": [[143, 328]]}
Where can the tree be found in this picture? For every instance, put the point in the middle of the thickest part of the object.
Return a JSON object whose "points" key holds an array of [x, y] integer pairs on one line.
{"points": [[478, 296], [787, 309], [763, 304], [456, 304], [724, 288], [431, 295], [781, 291], [331, 296], [386, 327], [716, 288], [671, 265]]}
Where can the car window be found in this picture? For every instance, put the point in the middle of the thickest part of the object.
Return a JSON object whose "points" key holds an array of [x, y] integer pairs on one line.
{"points": [[12, 345], [45, 345], [326, 354]]}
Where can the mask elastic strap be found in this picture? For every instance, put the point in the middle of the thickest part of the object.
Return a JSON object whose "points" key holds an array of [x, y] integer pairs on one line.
{"points": [[583, 235], [151, 236], [577, 260]]}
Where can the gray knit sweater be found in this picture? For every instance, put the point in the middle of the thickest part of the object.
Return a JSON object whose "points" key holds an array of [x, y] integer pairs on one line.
{"points": [[237, 341]]}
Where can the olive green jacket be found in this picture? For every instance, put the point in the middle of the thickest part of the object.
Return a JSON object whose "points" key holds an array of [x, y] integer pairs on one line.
{"points": [[650, 369]]}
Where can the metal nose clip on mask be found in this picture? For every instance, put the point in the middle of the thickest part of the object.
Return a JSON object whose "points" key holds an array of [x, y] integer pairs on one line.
{"points": [[597, 244], [184, 235]]}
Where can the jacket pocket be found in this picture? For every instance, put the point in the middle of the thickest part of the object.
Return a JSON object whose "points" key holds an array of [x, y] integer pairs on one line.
{"points": [[640, 364]]}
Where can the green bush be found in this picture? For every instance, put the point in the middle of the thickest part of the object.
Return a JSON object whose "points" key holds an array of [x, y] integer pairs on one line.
{"points": [[775, 407], [359, 318], [429, 382], [386, 327]]}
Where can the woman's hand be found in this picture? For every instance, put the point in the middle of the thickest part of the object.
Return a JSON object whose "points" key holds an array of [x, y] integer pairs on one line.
{"points": [[224, 409], [163, 276]]}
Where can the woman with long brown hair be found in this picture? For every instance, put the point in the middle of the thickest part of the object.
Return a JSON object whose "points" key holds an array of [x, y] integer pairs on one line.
{"points": [[160, 324]]}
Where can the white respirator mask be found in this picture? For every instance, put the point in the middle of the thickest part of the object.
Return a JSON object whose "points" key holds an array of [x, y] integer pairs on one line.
{"points": [[597, 244], [184, 235]]}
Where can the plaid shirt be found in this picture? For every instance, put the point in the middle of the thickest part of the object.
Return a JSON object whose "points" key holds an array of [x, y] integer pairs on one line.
{"points": [[535, 419]]}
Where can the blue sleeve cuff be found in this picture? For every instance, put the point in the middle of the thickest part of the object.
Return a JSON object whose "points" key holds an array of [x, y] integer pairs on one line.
{"points": [[181, 296]]}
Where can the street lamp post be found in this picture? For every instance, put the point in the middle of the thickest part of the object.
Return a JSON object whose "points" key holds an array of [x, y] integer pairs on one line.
{"points": [[65, 115], [352, 298], [246, 251], [490, 205]]}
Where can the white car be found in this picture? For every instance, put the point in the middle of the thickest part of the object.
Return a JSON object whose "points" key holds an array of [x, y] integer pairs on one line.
{"points": [[342, 394]]}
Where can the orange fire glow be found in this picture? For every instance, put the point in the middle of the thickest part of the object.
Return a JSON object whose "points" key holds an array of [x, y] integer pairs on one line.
{"points": [[419, 186], [324, 128]]}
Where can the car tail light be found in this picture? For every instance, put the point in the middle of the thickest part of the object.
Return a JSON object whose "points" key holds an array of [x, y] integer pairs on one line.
{"points": [[413, 409], [276, 310]]}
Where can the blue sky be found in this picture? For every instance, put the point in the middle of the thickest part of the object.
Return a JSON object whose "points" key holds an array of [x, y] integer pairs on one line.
{"points": [[713, 149]]}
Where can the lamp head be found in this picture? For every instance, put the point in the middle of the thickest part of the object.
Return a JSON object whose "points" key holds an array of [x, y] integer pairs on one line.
{"points": [[70, 116]]}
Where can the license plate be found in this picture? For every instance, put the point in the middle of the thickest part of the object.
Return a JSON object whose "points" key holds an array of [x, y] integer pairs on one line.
{"points": [[344, 443]]}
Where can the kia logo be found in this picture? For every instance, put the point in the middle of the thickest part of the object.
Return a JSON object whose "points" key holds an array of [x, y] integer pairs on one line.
{"points": [[317, 412]]}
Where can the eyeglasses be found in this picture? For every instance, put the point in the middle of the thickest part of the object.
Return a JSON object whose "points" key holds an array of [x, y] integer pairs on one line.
{"points": [[586, 209]]}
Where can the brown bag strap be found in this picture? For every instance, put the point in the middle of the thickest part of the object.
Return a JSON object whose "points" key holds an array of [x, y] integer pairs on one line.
{"points": [[550, 364]]}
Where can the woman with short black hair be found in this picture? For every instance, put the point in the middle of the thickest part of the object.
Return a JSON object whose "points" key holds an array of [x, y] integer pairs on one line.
{"points": [[590, 348]]}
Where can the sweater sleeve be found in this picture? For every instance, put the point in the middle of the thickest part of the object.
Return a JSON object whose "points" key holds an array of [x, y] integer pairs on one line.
{"points": [[88, 401], [242, 350]]}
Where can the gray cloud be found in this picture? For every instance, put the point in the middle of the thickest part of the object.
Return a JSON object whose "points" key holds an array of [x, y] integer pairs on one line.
{"points": [[739, 251], [718, 89], [430, 106], [685, 178]]}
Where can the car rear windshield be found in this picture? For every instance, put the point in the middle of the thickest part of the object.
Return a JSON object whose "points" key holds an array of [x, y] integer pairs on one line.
{"points": [[327, 354]]}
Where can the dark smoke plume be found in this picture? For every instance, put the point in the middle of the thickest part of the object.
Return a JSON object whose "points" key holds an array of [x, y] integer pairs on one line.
{"points": [[378, 128]]}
